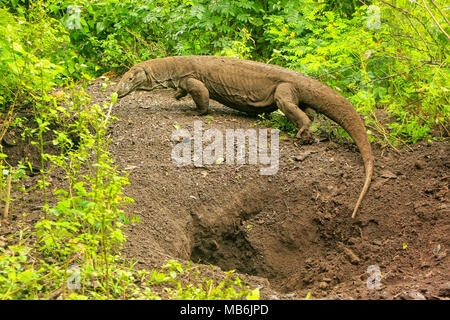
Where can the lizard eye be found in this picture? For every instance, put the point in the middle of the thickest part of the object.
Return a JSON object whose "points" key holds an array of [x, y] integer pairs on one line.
{"points": [[131, 78]]}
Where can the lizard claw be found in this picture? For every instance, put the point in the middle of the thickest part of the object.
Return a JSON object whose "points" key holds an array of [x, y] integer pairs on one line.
{"points": [[305, 136], [196, 113]]}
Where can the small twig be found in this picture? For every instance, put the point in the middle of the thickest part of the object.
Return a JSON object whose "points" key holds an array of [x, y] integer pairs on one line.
{"points": [[435, 21], [419, 34], [396, 74], [76, 256], [395, 7], [55, 294], [409, 14], [287, 207], [348, 66], [440, 11], [430, 62], [8, 118], [145, 43], [340, 69], [7, 198], [411, 37], [380, 128], [409, 44], [7, 123]]}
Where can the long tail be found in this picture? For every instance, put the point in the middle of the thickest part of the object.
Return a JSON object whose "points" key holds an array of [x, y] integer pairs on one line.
{"points": [[369, 173], [337, 108]]}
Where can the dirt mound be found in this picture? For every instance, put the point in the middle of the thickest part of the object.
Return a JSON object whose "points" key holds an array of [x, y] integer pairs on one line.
{"points": [[292, 228]]}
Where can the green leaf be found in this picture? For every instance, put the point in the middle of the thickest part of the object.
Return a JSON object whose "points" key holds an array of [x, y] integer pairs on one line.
{"points": [[114, 97]]}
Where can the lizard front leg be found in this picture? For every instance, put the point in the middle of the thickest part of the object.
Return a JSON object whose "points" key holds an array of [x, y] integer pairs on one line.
{"points": [[199, 93], [181, 93]]}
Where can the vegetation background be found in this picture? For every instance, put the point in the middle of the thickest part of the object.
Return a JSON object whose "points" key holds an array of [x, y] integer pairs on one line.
{"points": [[389, 58]]}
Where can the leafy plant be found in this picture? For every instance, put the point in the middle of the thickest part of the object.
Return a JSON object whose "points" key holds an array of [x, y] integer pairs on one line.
{"points": [[278, 121], [390, 59]]}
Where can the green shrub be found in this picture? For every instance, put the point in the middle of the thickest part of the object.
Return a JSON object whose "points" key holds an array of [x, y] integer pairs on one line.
{"points": [[25, 69]]}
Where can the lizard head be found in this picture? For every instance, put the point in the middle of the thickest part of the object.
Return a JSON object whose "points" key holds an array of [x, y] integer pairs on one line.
{"points": [[131, 80]]}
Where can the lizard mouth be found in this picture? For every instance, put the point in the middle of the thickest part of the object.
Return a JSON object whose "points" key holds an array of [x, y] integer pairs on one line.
{"points": [[122, 94]]}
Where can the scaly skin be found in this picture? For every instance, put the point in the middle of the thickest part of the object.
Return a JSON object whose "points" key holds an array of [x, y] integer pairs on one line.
{"points": [[252, 87]]}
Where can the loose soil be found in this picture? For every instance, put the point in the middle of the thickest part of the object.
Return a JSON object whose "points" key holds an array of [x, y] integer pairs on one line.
{"points": [[290, 233]]}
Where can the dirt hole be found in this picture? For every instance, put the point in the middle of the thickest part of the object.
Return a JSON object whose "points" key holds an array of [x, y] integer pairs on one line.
{"points": [[226, 246], [262, 237]]}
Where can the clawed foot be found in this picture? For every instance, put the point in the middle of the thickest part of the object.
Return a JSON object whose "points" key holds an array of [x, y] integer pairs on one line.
{"points": [[180, 94], [306, 137], [196, 113]]}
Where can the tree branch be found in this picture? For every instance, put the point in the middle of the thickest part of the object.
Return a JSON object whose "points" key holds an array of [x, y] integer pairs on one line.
{"points": [[409, 14], [435, 21], [396, 74], [440, 11]]}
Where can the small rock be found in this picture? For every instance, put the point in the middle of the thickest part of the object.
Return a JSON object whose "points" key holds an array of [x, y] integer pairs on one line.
{"points": [[302, 156], [353, 258], [416, 296], [444, 291], [377, 243], [309, 261], [324, 267], [419, 204], [441, 255], [388, 175], [419, 164], [323, 285], [429, 274], [437, 249], [214, 245], [378, 184]]}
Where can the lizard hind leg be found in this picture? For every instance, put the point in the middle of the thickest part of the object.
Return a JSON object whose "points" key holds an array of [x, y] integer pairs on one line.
{"points": [[285, 101], [309, 111]]}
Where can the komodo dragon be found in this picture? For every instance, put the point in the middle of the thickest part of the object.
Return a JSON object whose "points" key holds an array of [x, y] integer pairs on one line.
{"points": [[252, 87]]}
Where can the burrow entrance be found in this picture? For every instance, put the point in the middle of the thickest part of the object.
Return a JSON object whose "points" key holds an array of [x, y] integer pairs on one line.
{"points": [[275, 238], [228, 247]]}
